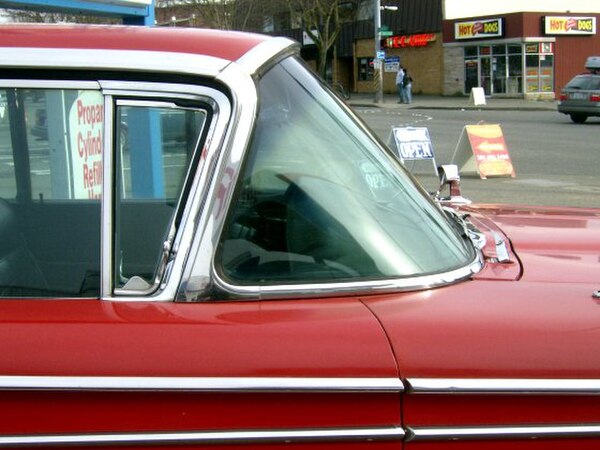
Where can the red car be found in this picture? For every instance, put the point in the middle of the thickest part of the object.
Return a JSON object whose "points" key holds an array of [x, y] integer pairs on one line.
{"points": [[273, 277]]}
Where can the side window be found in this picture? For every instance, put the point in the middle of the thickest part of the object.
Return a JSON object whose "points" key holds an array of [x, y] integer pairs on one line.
{"points": [[50, 186], [156, 143]]}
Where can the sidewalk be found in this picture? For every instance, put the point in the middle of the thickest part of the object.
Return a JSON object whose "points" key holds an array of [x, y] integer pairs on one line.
{"points": [[441, 102]]}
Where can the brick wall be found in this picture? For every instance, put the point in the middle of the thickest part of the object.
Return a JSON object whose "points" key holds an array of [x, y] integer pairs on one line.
{"points": [[425, 64], [454, 71]]}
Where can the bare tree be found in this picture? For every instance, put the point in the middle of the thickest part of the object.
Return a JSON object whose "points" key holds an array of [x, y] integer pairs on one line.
{"points": [[218, 14], [322, 22]]}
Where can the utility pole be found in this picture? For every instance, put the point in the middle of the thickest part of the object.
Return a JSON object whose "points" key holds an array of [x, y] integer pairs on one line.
{"points": [[377, 62]]}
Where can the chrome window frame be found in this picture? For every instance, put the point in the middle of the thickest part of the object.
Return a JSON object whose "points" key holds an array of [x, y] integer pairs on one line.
{"points": [[155, 283], [111, 60], [121, 61], [220, 107]]}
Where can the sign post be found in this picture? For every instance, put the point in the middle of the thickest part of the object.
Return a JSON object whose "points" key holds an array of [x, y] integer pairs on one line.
{"points": [[413, 144], [482, 151]]}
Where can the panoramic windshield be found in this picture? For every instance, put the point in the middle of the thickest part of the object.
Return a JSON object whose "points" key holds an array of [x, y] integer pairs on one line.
{"points": [[319, 201]]}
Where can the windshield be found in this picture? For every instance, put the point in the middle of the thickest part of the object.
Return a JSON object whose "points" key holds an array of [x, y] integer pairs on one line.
{"points": [[319, 201], [585, 82]]}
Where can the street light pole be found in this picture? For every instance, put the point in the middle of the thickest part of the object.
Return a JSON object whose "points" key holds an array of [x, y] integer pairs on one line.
{"points": [[377, 63]]}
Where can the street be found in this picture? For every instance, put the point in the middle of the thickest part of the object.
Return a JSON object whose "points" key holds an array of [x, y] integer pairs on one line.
{"points": [[556, 162]]}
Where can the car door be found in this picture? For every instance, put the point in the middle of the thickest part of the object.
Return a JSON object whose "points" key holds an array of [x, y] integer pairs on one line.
{"points": [[99, 210]]}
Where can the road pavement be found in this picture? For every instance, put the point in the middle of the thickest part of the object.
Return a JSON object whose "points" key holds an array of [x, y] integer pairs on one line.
{"points": [[554, 162]]}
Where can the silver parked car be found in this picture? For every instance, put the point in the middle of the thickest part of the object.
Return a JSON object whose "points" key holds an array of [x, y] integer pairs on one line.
{"points": [[580, 98]]}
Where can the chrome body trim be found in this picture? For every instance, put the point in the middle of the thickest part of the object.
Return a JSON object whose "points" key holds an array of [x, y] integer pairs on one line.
{"points": [[208, 437], [418, 434], [200, 384], [112, 60], [503, 386]]}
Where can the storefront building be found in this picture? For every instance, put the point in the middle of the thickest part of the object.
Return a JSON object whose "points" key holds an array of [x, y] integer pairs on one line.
{"points": [[419, 53], [526, 54]]}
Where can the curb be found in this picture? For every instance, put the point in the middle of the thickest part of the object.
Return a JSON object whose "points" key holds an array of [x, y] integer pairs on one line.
{"points": [[449, 104]]}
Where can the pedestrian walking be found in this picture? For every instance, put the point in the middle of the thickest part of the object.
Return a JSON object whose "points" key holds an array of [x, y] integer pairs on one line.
{"points": [[400, 84], [407, 87]]}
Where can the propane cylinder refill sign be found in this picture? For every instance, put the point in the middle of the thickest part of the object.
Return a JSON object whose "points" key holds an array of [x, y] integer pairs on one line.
{"points": [[86, 125]]}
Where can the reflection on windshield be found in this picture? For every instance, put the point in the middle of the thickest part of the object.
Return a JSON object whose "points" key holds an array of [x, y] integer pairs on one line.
{"points": [[319, 201]]}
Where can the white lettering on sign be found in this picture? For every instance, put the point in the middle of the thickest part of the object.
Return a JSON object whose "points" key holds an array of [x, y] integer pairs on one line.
{"points": [[86, 121], [413, 143]]}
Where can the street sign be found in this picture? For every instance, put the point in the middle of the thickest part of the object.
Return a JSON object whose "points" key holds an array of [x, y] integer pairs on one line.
{"points": [[380, 54], [386, 33]]}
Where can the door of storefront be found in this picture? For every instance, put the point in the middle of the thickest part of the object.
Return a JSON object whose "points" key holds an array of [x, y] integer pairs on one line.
{"points": [[499, 74], [486, 74], [471, 74]]}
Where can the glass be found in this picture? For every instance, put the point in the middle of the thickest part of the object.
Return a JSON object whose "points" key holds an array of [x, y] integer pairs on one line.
{"points": [[499, 74], [156, 144], [514, 49], [582, 82], [51, 164], [486, 75], [471, 74], [515, 74], [499, 50], [546, 73], [8, 180], [470, 51], [365, 69], [319, 201], [532, 68]]}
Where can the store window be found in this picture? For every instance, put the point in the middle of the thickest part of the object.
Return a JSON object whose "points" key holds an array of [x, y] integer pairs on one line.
{"points": [[539, 67], [510, 69]]}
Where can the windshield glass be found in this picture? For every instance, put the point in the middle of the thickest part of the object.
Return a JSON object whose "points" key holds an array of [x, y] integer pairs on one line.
{"points": [[586, 82], [319, 201]]}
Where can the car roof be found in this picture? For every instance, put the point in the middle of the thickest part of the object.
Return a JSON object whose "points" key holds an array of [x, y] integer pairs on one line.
{"points": [[226, 45]]}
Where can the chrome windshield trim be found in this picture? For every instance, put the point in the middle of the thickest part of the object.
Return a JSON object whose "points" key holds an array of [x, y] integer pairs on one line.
{"points": [[259, 55], [113, 60], [508, 386], [201, 384], [417, 434], [225, 166], [208, 437], [309, 290]]}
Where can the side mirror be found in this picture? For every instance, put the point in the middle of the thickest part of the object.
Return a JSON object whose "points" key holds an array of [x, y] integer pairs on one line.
{"points": [[449, 176]]}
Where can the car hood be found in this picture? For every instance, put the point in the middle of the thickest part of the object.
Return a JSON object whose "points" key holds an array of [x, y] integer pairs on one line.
{"points": [[558, 245], [533, 316]]}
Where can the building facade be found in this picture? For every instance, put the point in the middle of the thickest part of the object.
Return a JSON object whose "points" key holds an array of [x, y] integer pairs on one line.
{"points": [[528, 54], [518, 54]]}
